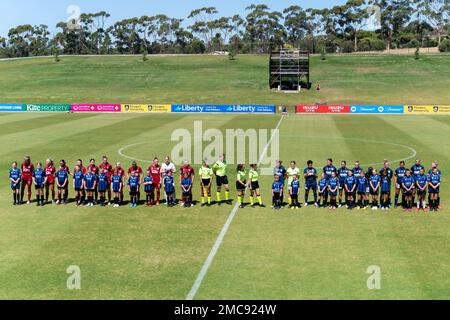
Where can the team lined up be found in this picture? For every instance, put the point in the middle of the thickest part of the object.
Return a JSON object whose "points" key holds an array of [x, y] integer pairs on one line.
{"points": [[354, 187], [357, 188]]}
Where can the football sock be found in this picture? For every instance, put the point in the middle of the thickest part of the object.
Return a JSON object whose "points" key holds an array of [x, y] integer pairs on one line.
{"points": [[252, 201], [209, 200], [259, 200], [227, 195], [218, 197], [306, 197], [203, 199]]}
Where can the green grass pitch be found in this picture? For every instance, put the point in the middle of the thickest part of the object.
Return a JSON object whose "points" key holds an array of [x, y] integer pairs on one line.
{"points": [[157, 253]]}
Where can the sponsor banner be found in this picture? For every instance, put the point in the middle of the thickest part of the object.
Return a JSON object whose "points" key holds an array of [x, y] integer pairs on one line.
{"points": [[11, 108], [46, 107], [144, 108], [322, 109], [377, 109], [424, 109], [96, 108], [243, 108]]}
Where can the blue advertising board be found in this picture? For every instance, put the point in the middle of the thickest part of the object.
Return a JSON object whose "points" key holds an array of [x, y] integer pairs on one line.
{"points": [[377, 109], [11, 108], [207, 108]]}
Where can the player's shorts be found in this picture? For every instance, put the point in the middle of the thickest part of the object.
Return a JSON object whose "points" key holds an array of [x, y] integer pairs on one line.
{"points": [[341, 184], [206, 182], [116, 190], [361, 193], [431, 190], [240, 186], [222, 181], [349, 193], [61, 188], [384, 193], [276, 195], [312, 186], [156, 184], [102, 190], [133, 191], [15, 187], [78, 189], [90, 190], [421, 192], [332, 193], [148, 190], [27, 181], [49, 182], [373, 192], [186, 193], [254, 185], [170, 193]]}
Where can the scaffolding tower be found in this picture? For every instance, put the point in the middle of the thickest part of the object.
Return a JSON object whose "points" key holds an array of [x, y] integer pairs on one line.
{"points": [[289, 70]]}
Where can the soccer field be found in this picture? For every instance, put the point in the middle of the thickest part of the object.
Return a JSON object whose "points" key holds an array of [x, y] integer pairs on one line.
{"points": [[157, 253]]}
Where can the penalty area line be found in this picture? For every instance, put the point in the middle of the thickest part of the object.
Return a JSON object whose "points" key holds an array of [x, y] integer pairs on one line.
{"points": [[204, 270]]}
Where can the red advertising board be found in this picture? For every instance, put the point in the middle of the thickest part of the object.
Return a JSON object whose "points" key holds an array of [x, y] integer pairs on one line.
{"points": [[302, 108], [96, 108]]}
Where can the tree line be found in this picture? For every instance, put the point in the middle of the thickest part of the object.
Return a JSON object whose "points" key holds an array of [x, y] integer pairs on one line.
{"points": [[341, 28]]}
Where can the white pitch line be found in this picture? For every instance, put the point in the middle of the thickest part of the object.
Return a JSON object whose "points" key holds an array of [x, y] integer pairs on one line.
{"points": [[201, 276]]}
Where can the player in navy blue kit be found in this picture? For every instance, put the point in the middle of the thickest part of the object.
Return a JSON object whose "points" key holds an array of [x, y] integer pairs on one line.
{"points": [[103, 186], [415, 171], [390, 175], [329, 169], [310, 174], [294, 190], [78, 180], [323, 186], [133, 188], [90, 183], [357, 169], [15, 175], [186, 190], [435, 165], [408, 183], [116, 186], [385, 186], [62, 181], [281, 172], [169, 187], [277, 192], [399, 174], [363, 184], [350, 185], [374, 183], [342, 175], [148, 188], [421, 186], [333, 188], [39, 180], [434, 182]]}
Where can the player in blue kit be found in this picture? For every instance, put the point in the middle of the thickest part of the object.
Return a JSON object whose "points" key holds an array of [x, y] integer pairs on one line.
{"points": [[169, 187], [78, 180], [434, 182], [357, 169], [385, 189], [281, 172], [374, 183], [329, 169], [323, 186], [186, 190], [39, 180], [62, 181], [390, 175], [421, 186], [90, 184], [363, 184], [310, 174], [408, 183], [116, 186], [399, 174], [350, 185], [415, 171], [133, 188], [277, 192], [148, 188], [435, 165], [15, 175], [342, 174], [294, 190], [333, 188], [102, 186]]}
